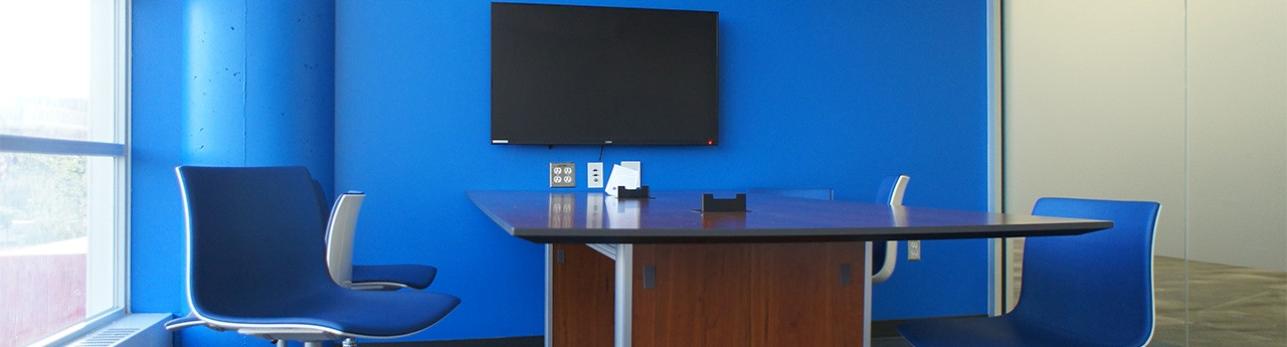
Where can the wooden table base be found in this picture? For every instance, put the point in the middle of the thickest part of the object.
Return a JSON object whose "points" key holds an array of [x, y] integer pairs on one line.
{"points": [[714, 294]]}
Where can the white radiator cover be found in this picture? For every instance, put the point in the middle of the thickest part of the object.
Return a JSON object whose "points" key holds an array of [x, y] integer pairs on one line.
{"points": [[133, 330]]}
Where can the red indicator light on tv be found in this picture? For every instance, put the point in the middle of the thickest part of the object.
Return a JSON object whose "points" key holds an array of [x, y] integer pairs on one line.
{"points": [[710, 142]]}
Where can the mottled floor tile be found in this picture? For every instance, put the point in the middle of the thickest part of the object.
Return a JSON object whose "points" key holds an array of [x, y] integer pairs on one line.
{"points": [[1263, 315], [1215, 337], [1225, 305], [1168, 333]]}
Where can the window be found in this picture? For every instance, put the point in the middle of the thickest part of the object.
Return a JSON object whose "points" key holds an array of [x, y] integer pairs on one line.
{"points": [[63, 166]]}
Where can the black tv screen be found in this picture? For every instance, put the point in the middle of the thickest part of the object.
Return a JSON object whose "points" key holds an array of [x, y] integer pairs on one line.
{"points": [[602, 75]]}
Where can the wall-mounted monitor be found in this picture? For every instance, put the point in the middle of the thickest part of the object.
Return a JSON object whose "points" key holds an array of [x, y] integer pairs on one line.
{"points": [[603, 75]]}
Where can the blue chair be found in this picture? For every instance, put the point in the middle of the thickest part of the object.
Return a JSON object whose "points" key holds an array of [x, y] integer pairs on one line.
{"points": [[255, 264], [1094, 289], [340, 231], [884, 255]]}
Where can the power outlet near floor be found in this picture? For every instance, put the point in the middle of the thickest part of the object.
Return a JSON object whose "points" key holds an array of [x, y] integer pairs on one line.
{"points": [[563, 175], [914, 250]]}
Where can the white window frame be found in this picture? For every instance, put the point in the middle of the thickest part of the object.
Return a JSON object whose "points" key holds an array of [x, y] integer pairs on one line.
{"points": [[119, 150]]}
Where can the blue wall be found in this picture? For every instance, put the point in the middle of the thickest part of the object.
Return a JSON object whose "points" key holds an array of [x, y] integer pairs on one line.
{"points": [[262, 83], [220, 83], [813, 94], [156, 217]]}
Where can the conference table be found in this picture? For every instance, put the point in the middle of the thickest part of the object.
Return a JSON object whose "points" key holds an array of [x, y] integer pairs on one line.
{"points": [[786, 271]]}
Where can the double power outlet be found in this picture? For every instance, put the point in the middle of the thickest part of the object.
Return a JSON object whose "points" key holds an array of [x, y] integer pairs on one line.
{"points": [[563, 175]]}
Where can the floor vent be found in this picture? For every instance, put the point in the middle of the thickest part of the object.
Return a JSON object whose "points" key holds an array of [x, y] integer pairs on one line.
{"points": [[139, 329], [107, 337]]}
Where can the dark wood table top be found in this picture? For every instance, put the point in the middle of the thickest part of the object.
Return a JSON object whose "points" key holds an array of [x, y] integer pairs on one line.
{"points": [[593, 217]]}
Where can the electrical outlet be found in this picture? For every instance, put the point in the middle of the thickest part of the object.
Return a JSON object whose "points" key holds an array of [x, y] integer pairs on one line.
{"points": [[914, 250], [563, 175], [594, 175]]}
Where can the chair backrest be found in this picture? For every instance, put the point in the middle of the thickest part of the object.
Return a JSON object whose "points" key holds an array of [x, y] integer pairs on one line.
{"points": [[1096, 284], [340, 230], [892, 189], [884, 255], [251, 238], [323, 202]]}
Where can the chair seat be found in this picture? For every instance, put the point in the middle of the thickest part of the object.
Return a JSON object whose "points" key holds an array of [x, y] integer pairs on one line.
{"points": [[353, 312], [410, 275], [986, 332]]}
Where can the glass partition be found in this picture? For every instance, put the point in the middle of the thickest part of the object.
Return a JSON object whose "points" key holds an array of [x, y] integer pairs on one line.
{"points": [[1237, 172], [1180, 102]]}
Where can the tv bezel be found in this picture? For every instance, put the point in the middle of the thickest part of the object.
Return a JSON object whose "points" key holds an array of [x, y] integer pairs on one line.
{"points": [[710, 140]]}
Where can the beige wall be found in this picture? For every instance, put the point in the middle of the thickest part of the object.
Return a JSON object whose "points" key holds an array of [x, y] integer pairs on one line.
{"points": [[1238, 132], [1094, 105]]}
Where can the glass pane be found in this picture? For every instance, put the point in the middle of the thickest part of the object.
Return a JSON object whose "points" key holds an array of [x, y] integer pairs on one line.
{"points": [[1096, 111], [1237, 164], [1220, 270], [57, 68], [56, 222]]}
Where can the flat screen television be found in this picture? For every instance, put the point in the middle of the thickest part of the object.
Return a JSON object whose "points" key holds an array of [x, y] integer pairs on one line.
{"points": [[603, 75]]}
